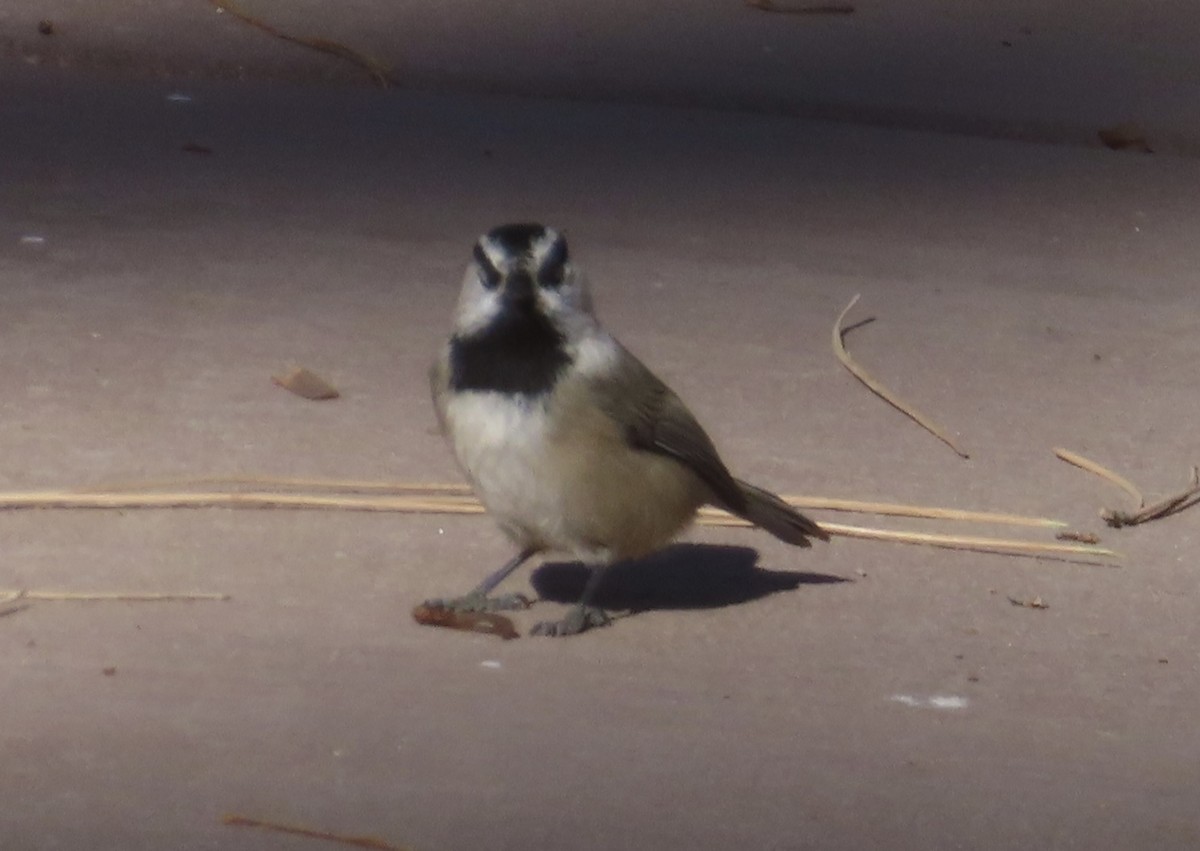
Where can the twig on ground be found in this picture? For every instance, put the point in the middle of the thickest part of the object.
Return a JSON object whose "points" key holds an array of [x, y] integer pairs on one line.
{"points": [[839, 349], [378, 71], [1157, 510], [277, 827], [1032, 603], [1164, 507]]}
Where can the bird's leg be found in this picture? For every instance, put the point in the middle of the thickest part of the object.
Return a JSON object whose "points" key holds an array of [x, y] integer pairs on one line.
{"points": [[582, 617], [478, 600]]}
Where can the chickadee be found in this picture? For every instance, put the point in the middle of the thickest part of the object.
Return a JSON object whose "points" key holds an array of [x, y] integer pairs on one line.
{"points": [[570, 442]]}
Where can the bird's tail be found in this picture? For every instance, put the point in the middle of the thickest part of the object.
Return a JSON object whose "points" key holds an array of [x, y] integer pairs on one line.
{"points": [[771, 513]]}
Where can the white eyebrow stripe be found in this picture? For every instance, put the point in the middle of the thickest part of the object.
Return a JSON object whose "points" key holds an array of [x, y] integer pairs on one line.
{"points": [[541, 248], [495, 254]]}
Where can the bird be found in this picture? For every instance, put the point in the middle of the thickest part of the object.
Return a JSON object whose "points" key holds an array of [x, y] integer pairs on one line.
{"points": [[570, 442]]}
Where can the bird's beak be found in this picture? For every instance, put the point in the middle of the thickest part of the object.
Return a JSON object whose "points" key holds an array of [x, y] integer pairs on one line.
{"points": [[519, 289]]}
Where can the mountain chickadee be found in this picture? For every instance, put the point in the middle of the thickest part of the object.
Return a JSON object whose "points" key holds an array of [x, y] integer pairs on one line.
{"points": [[570, 442]]}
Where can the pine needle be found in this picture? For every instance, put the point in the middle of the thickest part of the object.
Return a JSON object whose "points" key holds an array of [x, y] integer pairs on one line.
{"points": [[839, 349], [1000, 546], [1103, 472], [442, 498], [1165, 507]]}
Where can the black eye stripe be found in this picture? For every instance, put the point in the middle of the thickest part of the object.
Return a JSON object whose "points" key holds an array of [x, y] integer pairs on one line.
{"points": [[554, 265], [491, 275]]}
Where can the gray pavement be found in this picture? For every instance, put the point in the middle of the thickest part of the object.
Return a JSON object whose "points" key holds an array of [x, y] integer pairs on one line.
{"points": [[1018, 69]]}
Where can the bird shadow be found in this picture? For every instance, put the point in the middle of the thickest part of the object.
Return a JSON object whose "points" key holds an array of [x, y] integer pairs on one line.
{"points": [[683, 576]]}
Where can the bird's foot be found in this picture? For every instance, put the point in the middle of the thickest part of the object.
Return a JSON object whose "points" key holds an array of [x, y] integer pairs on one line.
{"points": [[477, 602], [579, 619]]}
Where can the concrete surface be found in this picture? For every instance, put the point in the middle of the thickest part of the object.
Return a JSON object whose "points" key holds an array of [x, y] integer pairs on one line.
{"points": [[1028, 296], [1017, 69]]}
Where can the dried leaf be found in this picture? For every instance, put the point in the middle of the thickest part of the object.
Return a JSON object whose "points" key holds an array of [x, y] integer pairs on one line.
{"points": [[485, 622], [306, 383], [1125, 136]]}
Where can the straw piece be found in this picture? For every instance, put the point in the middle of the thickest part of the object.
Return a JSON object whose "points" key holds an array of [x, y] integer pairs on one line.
{"points": [[1001, 546], [106, 596], [350, 485], [896, 509], [1164, 507], [443, 499], [839, 349], [1103, 472], [226, 499], [461, 493]]}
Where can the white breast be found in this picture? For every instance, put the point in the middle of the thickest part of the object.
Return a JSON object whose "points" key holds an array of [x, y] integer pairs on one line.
{"points": [[500, 442]]}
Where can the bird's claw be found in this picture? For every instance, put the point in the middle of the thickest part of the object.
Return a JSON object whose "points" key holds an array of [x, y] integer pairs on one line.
{"points": [[579, 619]]}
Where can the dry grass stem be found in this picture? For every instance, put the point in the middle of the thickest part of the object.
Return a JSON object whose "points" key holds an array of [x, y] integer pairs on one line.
{"points": [[378, 71], [839, 349], [283, 482], [1157, 510], [1103, 472], [415, 497], [294, 830], [441, 498], [1164, 507], [1002, 546], [106, 596], [896, 509]]}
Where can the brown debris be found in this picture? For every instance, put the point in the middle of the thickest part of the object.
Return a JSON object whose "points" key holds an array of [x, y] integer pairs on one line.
{"points": [[306, 383], [485, 622], [1035, 603], [1165, 507], [1125, 136], [1144, 513], [1079, 537]]}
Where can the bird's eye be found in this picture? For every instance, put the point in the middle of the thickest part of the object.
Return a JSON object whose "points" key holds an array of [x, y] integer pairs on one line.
{"points": [[554, 267], [489, 275], [553, 275]]}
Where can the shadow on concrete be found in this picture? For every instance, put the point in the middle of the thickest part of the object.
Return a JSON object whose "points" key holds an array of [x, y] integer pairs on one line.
{"points": [[684, 576]]}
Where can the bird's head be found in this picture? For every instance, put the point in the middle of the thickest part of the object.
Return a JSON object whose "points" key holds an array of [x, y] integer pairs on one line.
{"points": [[521, 271]]}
